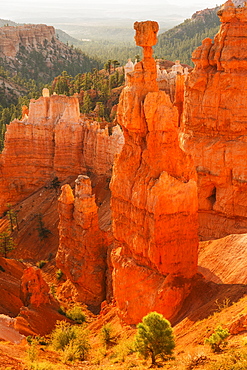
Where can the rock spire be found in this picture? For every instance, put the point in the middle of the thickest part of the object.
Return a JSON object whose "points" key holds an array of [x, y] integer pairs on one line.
{"points": [[154, 198]]}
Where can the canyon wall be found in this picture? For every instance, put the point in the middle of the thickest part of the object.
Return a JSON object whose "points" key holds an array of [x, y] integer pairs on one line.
{"points": [[215, 125], [29, 35], [154, 198], [53, 141]]}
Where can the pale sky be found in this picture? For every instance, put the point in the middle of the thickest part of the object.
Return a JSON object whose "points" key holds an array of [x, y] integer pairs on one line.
{"points": [[44, 10]]}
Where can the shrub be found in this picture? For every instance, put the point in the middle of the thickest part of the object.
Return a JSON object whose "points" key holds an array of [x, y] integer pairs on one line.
{"points": [[218, 339], [42, 230], [222, 305], [122, 350], [61, 310], [32, 351], [59, 274], [154, 337], [75, 313], [29, 339], [6, 243], [42, 340], [196, 360], [234, 360], [44, 366], [62, 335], [72, 340], [41, 264], [53, 290], [77, 349], [107, 335]]}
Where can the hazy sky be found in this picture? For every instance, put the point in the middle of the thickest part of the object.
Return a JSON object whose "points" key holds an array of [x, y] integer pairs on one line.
{"points": [[43, 10]]}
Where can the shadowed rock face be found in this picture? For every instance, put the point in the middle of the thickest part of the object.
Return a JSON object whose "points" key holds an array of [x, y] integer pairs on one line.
{"points": [[215, 125], [154, 198]]}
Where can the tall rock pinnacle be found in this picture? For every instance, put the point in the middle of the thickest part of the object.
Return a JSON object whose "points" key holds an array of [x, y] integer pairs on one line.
{"points": [[154, 198]]}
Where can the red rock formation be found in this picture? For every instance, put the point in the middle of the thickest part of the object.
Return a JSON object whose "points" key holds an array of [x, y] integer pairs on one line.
{"points": [[215, 126], [25, 112], [83, 246], [54, 141], [10, 286], [154, 198], [29, 35], [239, 325], [38, 305], [34, 289], [100, 148], [25, 296]]}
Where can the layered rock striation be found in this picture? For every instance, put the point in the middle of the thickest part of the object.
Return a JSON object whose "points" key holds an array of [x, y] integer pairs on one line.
{"points": [[215, 125], [154, 198], [34, 51], [54, 141], [83, 246], [224, 260], [29, 36]]}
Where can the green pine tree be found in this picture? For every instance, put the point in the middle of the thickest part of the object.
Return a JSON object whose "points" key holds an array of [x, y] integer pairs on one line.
{"points": [[154, 337]]}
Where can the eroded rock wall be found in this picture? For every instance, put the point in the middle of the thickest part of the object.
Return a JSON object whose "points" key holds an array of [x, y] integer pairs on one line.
{"points": [[82, 246], [215, 125], [154, 198], [53, 141], [29, 35]]}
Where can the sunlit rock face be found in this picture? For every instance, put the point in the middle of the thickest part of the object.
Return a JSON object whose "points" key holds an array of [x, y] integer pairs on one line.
{"points": [[215, 125], [82, 246], [29, 36], [53, 141], [154, 198]]}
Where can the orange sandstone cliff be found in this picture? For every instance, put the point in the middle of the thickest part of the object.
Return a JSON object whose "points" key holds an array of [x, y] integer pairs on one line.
{"points": [[154, 198], [54, 141], [215, 125], [29, 35]]}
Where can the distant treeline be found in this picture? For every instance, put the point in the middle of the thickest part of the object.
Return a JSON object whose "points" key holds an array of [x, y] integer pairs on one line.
{"points": [[94, 90], [182, 40], [177, 43]]}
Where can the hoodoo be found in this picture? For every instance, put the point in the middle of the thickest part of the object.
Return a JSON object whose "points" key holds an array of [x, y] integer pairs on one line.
{"points": [[215, 125], [82, 246], [154, 197]]}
